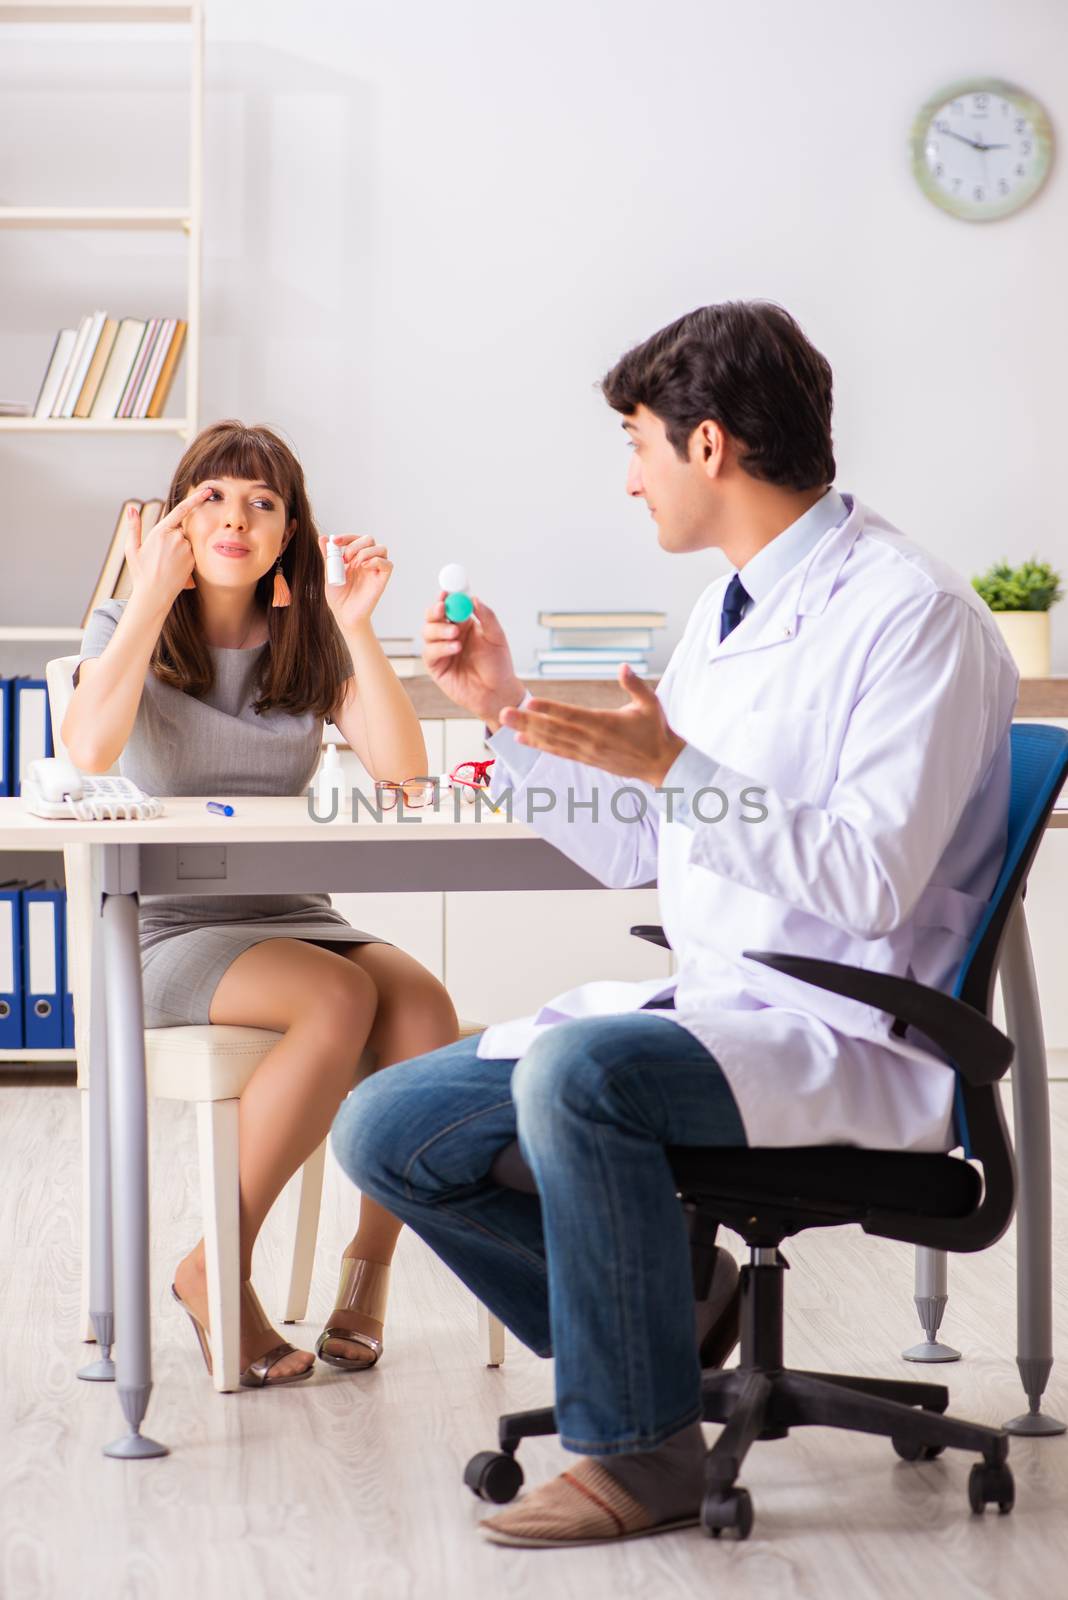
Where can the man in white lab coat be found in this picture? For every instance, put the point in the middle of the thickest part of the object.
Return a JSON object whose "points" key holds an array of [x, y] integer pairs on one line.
{"points": [[823, 769]]}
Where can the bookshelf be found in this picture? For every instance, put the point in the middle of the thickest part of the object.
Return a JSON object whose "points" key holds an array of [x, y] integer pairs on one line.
{"points": [[187, 220]]}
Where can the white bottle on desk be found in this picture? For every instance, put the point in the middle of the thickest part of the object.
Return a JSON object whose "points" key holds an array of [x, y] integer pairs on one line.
{"points": [[329, 781]]}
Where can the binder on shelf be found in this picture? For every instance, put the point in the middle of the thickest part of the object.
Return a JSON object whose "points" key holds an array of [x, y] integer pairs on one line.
{"points": [[12, 1029], [68, 969], [32, 728], [42, 967], [7, 737]]}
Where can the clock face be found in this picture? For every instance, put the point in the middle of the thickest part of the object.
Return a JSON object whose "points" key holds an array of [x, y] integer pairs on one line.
{"points": [[981, 149]]}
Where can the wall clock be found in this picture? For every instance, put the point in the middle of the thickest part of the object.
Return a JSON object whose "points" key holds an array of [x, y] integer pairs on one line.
{"points": [[981, 149]]}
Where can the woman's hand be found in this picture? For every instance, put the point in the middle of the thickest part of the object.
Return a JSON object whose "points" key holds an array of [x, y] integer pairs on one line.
{"points": [[367, 571], [161, 563]]}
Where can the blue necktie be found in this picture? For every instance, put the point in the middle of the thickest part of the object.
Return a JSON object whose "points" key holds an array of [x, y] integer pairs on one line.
{"points": [[734, 603]]}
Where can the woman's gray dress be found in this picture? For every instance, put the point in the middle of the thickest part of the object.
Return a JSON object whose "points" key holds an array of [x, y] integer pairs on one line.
{"points": [[217, 747]]}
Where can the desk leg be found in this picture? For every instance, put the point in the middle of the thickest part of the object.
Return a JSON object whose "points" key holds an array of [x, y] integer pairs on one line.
{"points": [[1034, 1207], [129, 1147], [101, 1286]]}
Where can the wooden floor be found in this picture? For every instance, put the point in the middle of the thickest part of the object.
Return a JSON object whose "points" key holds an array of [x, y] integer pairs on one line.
{"points": [[350, 1487]]}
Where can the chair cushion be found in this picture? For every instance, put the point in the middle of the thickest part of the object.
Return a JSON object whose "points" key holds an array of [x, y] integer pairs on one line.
{"points": [[208, 1061], [830, 1178], [821, 1183]]}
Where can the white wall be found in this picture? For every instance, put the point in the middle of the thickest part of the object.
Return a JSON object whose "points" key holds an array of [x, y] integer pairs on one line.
{"points": [[431, 227]]}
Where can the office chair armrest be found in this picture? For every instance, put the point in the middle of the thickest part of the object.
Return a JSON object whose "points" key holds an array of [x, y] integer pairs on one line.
{"points": [[980, 1052], [650, 932]]}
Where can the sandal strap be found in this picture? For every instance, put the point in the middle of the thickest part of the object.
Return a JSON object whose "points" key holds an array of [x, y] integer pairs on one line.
{"points": [[255, 1375], [368, 1340], [363, 1286]]}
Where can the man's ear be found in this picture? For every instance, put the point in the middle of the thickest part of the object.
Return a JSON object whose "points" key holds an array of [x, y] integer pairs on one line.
{"points": [[708, 447]]}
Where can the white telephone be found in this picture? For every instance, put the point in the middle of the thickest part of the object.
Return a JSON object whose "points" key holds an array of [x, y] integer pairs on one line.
{"points": [[55, 788]]}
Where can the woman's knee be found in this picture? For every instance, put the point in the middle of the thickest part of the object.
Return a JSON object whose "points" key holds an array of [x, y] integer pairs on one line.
{"points": [[341, 1002]]}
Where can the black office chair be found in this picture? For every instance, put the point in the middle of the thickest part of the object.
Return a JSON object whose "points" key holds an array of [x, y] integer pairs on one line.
{"points": [[765, 1195]]}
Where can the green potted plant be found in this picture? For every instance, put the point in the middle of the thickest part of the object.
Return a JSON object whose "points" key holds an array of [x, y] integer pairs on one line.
{"points": [[1020, 598]]}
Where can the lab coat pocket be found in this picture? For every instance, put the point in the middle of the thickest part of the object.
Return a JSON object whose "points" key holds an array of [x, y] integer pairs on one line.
{"points": [[784, 750]]}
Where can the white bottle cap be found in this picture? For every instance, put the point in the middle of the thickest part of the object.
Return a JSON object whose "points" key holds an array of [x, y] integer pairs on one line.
{"points": [[452, 578]]}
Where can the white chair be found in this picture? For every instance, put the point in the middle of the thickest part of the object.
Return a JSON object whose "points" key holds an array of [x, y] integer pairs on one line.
{"points": [[208, 1065]]}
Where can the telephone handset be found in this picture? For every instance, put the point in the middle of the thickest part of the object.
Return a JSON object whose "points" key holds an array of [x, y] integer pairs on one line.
{"points": [[55, 788]]}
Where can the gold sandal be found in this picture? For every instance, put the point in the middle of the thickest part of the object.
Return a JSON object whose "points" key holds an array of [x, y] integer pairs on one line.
{"points": [[257, 1374], [363, 1287]]}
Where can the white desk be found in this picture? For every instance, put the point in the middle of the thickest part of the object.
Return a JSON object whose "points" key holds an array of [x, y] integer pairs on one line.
{"points": [[274, 845]]}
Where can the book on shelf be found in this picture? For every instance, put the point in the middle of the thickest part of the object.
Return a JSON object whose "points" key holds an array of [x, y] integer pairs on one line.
{"points": [[60, 407], [107, 367], [104, 347], [591, 657], [114, 580], [117, 370], [167, 371], [598, 669], [601, 638], [62, 351], [15, 408], [602, 619]]}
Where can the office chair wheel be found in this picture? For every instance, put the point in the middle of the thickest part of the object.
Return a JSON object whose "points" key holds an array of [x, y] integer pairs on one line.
{"points": [[917, 1452], [989, 1486], [731, 1510], [494, 1475]]}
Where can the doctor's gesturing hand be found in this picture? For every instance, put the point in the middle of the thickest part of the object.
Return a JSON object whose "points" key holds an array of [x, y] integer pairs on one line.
{"points": [[634, 742]]}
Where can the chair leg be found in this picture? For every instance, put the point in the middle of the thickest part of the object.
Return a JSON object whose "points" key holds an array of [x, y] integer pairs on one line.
{"points": [[803, 1400], [491, 1334], [931, 1295], [217, 1138], [304, 1199]]}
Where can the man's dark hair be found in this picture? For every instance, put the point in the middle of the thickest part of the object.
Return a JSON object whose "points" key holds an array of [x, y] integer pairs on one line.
{"points": [[746, 365]]}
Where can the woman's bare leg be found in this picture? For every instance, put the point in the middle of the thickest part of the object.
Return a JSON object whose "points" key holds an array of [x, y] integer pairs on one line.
{"points": [[414, 1015], [325, 1006]]}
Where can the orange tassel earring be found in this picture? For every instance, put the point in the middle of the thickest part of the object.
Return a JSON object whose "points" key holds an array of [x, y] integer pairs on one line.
{"points": [[282, 596]]}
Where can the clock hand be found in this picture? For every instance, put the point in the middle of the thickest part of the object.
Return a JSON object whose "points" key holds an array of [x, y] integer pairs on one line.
{"points": [[985, 147], [963, 140]]}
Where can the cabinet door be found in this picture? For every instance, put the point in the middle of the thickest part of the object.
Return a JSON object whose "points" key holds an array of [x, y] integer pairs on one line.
{"points": [[413, 922], [506, 954]]}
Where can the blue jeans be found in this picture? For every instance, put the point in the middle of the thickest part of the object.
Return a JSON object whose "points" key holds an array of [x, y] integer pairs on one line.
{"points": [[595, 1268]]}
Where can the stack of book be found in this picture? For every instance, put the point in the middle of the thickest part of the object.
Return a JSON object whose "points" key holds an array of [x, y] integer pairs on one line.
{"points": [[115, 581], [595, 644], [107, 368]]}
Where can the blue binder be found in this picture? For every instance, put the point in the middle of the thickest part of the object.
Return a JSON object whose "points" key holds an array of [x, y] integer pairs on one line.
{"points": [[12, 1032], [7, 733], [68, 998], [42, 968], [32, 725]]}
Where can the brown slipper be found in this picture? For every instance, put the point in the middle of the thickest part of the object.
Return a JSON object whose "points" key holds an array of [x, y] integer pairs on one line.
{"points": [[584, 1505]]}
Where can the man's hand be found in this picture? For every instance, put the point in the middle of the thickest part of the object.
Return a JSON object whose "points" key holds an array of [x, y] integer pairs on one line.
{"points": [[633, 742], [471, 660]]}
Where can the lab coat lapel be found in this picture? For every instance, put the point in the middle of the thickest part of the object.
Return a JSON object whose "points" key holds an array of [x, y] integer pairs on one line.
{"points": [[802, 591]]}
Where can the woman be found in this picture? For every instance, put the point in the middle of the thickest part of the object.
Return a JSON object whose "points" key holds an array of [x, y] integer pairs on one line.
{"points": [[215, 677]]}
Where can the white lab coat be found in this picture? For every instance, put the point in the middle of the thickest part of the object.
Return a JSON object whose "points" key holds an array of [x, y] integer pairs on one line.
{"points": [[870, 695]]}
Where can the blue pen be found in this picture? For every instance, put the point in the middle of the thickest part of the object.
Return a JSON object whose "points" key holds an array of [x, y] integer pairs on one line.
{"points": [[220, 809]]}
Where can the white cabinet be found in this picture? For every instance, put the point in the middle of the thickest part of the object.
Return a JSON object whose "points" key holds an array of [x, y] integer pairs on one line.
{"points": [[505, 954], [414, 922], [502, 955]]}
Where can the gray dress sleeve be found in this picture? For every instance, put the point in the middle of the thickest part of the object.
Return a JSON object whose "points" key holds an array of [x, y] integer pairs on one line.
{"points": [[101, 626]]}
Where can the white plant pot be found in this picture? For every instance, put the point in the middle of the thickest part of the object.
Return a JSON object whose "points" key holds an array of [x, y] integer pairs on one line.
{"points": [[1027, 635]]}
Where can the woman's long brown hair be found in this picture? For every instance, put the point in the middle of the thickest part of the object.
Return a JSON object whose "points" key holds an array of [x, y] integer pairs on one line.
{"points": [[307, 662]]}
